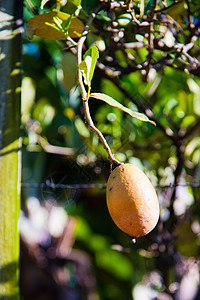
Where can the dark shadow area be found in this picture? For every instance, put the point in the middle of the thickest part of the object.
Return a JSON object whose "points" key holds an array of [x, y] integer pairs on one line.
{"points": [[8, 271]]}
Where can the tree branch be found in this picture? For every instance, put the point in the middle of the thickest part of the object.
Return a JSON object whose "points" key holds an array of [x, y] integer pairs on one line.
{"points": [[191, 129]]}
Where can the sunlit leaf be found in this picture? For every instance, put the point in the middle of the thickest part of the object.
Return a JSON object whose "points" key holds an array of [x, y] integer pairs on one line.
{"points": [[84, 68], [87, 66], [44, 26], [53, 25], [195, 89], [58, 22], [114, 103], [76, 28], [124, 19], [81, 128], [44, 112], [28, 97], [94, 54]]}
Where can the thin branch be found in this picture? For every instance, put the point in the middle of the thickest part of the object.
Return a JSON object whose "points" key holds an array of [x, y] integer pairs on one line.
{"points": [[54, 149], [189, 16], [150, 49], [192, 128], [180, 148], [115, 5], [33, 9], [84, 93], [98, 132]]}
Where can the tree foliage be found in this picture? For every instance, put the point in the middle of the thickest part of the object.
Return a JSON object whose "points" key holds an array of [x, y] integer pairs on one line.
{"points": [[143, 57]]}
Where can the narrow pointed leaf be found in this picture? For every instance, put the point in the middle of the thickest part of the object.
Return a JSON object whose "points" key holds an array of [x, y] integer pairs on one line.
{"points": [[53, 25], [67, 24], [114, 103], [58, 22]]}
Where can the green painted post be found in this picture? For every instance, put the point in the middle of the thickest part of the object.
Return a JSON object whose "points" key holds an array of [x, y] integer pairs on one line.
{"points": [[10, 153]]}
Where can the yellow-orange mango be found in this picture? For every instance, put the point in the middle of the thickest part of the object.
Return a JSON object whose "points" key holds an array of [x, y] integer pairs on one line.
{"points": [[132, 201]]}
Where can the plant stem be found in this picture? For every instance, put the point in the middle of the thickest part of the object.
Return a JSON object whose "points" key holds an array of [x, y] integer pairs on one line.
{"points": [[85, 95], [98, 132]]}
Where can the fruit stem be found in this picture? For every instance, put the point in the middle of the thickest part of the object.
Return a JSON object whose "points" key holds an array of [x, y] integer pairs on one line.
{"points": [[85, 95]]}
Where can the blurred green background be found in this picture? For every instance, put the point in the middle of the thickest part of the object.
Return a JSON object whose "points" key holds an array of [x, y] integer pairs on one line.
{"points": [[70, 247]]}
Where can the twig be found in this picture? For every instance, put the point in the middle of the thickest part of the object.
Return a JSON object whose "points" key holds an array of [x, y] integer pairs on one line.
{"points": [[100, 135], [189, 16], [115, 5], [54, 149], [32, 7], [150, 48], [191, 129]]}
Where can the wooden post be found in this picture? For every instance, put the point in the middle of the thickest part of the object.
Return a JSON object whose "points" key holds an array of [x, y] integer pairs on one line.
{"points": [[10, 153]]}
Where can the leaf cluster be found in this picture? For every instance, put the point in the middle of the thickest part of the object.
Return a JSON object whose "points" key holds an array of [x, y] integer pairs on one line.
{"points": [[143, 60]]}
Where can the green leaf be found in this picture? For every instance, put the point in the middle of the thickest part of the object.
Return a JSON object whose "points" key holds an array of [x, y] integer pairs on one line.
{"points": [[87, 66], [69, 63], [75, 2], [94, 54], [46, 26], [67, 24], [124, 19], [84, 68], [76, 28], [187, 240], [102, 15], [51, 25], [114, 103], [81, 128], [73, 6], [108, 260]]}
